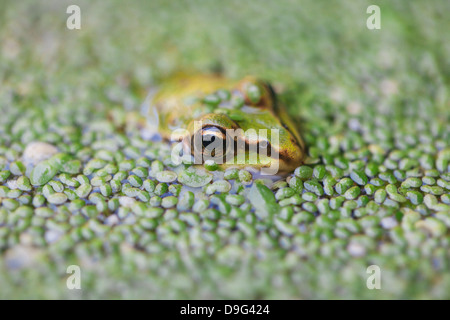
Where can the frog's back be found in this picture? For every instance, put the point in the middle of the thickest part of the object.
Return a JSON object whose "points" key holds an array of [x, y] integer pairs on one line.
{"points": [[178, 101]]}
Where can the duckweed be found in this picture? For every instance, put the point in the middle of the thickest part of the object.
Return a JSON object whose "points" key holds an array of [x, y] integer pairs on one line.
{"points": [[194, 178], [42, 173], [57, 198], [359, 177], [303, 172], [166, 176], [231, 174], [374, 187]]}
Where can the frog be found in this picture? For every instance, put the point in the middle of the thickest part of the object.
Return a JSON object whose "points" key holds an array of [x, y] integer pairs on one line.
{"points": [[199, 112]]}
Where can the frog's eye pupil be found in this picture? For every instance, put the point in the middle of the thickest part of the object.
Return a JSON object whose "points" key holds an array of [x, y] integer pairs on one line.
{"points": [[208, 140], [213, 140]]}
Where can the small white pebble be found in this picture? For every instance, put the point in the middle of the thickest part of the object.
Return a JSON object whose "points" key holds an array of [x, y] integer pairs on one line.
{"points": [[36, 152]]}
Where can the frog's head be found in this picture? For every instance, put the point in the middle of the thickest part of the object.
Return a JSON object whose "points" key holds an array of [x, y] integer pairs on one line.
{"points": [[242, 125]]}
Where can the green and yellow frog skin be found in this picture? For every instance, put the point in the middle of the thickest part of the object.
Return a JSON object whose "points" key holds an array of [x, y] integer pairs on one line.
{"points": [[220, 104]]}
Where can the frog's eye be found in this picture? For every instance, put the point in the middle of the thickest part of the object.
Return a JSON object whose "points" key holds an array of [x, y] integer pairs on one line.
{"points": [[209, 134], [213, 141], [210, 143]]}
